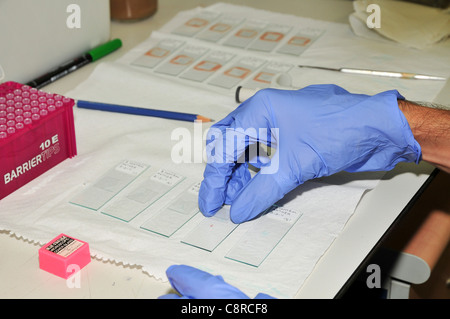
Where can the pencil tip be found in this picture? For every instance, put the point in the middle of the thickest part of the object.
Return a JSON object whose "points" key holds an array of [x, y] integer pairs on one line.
{"points": [[204, 119]]}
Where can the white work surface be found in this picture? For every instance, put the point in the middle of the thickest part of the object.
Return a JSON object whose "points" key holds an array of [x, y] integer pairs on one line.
{"points": [[20, 276]]}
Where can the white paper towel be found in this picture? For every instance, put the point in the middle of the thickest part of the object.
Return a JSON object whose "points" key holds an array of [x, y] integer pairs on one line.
{"points": [[410, 24]]}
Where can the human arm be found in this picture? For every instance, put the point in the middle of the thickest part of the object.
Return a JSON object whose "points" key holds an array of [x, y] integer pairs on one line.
{"points": [[317, 131], [431, 128], [422, 125]]}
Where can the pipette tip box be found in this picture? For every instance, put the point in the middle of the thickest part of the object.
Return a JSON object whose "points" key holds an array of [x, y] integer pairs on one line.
{"points": [[64, 256], [36, 133]]}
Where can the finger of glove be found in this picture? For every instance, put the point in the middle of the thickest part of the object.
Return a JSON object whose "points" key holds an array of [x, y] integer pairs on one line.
{"points": [[212, 192], [226, 172], [194, 283], [228, 140], [212, 197], [239, 178], [259, 194]]}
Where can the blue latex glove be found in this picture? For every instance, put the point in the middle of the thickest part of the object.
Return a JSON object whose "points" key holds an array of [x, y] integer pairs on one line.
{"points": [[192, 283], [317, 131]]}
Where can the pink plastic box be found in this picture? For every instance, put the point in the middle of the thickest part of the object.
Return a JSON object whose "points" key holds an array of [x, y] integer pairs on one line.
{"points": [[36, 133], [64, 255]]}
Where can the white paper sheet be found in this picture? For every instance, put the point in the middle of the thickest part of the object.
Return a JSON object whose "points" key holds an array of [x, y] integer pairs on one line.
{"points": [[41, 209]]}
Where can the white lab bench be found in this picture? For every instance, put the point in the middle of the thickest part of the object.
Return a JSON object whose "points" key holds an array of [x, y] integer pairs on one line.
{"points": [[379, 209]]}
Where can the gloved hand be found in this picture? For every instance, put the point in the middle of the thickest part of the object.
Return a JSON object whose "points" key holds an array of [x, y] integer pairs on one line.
{"points": [[317, 131], [192, 283]]}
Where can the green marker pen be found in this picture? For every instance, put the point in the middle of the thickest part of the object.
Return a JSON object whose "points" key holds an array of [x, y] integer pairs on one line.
{"points": [[76, 63]]}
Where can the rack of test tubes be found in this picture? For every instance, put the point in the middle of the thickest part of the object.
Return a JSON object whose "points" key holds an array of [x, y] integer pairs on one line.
{"points": [[36, 133]]}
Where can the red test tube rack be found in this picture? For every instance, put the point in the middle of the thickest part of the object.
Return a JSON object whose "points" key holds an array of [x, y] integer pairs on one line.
{"points": [[36, 133]]}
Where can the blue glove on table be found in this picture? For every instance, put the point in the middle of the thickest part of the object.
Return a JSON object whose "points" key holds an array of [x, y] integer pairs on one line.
{"points": [[317, 131], [192, 283]]}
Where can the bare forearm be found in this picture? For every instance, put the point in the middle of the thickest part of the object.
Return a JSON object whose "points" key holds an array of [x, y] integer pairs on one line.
{"points": [[431, 129]]}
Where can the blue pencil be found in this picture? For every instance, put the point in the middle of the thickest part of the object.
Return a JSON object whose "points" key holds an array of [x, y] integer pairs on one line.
{"points": [[141, 111]]}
